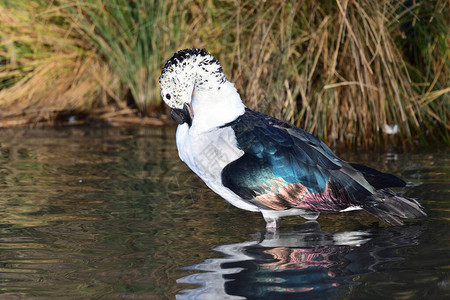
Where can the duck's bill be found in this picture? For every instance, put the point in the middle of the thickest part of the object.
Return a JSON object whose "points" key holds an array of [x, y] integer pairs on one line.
{"points": [[183, 115]]}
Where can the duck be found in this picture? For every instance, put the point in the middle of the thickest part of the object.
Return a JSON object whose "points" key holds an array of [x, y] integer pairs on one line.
{"points": [[262, 164]]}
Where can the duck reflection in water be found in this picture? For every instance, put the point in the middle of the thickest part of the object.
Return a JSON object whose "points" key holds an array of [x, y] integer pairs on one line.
{"points": [[305, 263]]}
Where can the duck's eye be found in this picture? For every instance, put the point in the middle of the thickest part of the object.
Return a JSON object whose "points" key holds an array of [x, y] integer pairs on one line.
{"points": [[168, 96]]}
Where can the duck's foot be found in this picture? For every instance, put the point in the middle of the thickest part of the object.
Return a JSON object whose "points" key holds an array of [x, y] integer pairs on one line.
{"points": [[310, 215]]}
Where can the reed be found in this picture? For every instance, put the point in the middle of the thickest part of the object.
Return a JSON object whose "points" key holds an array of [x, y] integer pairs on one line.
{"points": [[345, 70], [45, 67], [425, 47], [335, 68], [133, 36]]}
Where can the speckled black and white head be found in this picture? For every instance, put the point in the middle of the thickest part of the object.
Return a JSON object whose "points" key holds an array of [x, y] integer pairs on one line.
{"points": [[187, 70]]}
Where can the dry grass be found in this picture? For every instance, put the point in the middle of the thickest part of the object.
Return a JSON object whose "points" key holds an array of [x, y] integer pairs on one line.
{"points": [[341, 69], [331, 67], [47, 68]]}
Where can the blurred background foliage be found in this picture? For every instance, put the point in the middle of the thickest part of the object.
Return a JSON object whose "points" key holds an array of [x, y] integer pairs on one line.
{"points": [[349, 71]]}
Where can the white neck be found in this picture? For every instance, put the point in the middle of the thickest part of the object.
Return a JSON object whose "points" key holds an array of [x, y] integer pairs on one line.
{"points": [[215, 107]]}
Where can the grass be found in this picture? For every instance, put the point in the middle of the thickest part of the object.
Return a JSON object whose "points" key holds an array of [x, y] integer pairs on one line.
{"points": [[334, 68], [344, 70], [45, 67], [133, 36]]}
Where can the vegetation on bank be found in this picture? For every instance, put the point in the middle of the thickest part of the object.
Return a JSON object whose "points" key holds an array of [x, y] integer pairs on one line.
{"points": [[345, 70]]}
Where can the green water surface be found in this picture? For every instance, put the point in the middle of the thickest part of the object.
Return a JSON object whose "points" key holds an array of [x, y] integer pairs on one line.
{"points": [[112, 213]]}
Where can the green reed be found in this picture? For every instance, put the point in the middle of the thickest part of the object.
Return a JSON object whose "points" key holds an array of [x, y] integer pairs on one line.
{"points": [[133, 36]]}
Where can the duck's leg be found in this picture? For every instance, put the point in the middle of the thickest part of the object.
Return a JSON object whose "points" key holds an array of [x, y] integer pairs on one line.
{"points": [[273, 222]]}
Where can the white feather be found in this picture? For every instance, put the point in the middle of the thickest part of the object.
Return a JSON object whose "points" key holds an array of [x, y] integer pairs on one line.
{"points": [[216, 107], [207, 153]]}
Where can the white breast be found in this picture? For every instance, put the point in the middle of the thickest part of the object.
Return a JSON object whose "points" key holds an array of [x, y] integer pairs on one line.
{"points": [[207, 154]]}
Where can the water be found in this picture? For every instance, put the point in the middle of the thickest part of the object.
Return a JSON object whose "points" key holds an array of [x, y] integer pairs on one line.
{"points": [[113, 214]]}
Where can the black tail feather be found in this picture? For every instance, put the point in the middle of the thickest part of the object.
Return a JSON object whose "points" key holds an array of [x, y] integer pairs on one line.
{"points": [[392, 208], [377, 179]]}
